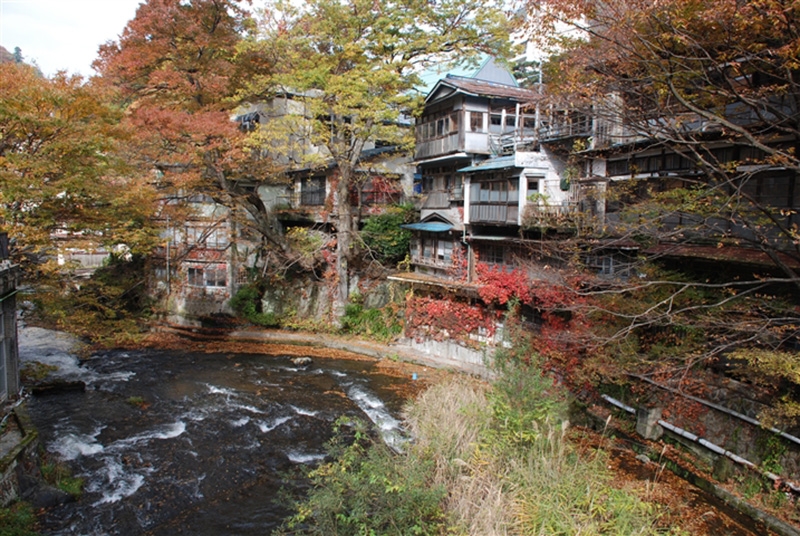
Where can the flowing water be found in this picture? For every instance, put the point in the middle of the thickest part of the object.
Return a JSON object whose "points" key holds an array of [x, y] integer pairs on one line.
{"points": [[181, 442]]}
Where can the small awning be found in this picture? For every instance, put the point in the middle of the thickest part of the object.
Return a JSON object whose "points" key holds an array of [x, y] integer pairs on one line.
{"points": [[502, 162], [445, 158], [431, 227]]}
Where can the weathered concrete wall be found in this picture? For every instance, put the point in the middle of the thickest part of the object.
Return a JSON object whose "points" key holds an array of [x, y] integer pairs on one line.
{"points": [[312, 300], [303, 299], [19, 464], [450, 353], [9, 356]]}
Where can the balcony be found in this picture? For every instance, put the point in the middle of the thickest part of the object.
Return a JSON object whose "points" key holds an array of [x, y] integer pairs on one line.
{"points": [[565, 126], [494, 214], [438, 199], [437, 147]]}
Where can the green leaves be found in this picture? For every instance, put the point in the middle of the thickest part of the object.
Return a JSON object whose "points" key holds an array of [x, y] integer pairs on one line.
{"points": [[367, 489], [385, 238]]}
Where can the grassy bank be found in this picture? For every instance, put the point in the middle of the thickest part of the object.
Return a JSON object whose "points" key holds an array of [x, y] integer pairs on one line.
{"points": [[485, 460]]}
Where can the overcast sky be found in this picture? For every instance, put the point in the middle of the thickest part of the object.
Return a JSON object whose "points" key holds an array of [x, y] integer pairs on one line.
{"points": [[62, 34]]}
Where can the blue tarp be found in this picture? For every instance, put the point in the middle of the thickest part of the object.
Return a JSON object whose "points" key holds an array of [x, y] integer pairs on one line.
{"points": [[432, 227]]}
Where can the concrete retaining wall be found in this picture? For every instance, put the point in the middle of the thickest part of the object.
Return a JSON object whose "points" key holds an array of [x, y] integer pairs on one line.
{"points": [[19, 465], [449, 353]]}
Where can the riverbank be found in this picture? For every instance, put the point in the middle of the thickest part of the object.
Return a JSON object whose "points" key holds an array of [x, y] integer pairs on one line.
{"points": [[680, 505], [395, 350], [397, 359]]}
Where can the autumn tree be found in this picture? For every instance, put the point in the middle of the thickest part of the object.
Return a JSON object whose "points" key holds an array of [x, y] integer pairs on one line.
{"points": [[63, 182], [713, 84], [354, 66], [65, 186], [176, 67]]}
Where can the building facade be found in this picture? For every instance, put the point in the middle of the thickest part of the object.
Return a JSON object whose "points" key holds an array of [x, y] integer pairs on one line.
{"points": [[9, 356]]}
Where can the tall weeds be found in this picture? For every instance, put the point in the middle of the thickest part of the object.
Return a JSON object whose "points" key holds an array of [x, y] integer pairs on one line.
{"points": [[496, 459], [504, 455]]}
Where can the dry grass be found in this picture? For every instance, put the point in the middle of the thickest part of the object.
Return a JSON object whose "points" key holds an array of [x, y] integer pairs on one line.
{"points": [[502, 485], [448, 421]]}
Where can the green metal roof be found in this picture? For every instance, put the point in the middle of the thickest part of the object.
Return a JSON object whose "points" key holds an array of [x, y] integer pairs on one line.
{"points": [[501, 162]]}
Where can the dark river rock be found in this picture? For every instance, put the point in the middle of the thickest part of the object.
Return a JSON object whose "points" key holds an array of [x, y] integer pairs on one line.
{"points": [[171, 442]]}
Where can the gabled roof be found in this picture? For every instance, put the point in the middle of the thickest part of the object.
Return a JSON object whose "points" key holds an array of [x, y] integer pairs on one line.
{"points": [[487, 69], [434, 223], [479, 88]]}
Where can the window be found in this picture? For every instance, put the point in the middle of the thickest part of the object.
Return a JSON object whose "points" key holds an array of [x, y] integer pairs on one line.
{"points": [[476, 121], [495, 123], [492, 255], [437, 125], [428, 247], [675, 161], [436, 250], [215, 237], [196, 277], [444, 251], [533, 187], [618, 167], [209, 276], [529, 123], [496, 192], [609, 265], [312, 191], [513, 192]]}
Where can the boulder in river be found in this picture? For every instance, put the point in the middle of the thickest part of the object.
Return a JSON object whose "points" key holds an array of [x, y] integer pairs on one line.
{"points": [[57, 386], [301, 361]]}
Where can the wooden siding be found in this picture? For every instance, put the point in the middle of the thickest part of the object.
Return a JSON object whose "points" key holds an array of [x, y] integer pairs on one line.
{"points": [[499, 214]]}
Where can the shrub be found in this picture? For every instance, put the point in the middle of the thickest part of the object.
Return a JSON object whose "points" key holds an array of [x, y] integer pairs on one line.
{"points": [[33, 371], [379, 324], [59, 475], [485, 460], [368, 489], [17, 520], [109, 308], [383, 235], [247, 303]]}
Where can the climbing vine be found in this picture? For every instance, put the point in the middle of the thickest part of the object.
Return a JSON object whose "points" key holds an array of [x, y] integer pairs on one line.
{"points": [[499, 285], [446, 318]]}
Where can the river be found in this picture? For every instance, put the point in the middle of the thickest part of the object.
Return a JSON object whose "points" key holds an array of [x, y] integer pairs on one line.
{"points": [[172, 442]]}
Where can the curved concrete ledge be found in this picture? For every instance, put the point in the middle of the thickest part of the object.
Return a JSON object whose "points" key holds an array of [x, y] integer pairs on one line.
{"points": [[435, 354]]}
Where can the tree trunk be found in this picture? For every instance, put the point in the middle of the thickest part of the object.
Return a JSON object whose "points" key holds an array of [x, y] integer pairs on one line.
{"points": [[344, 241]]}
